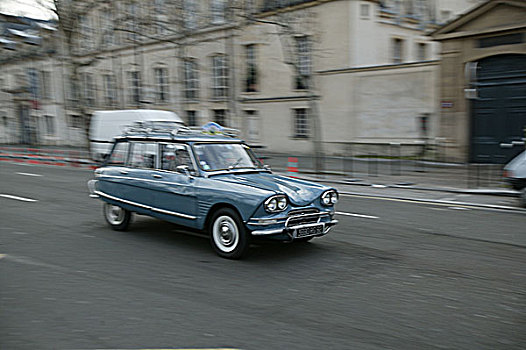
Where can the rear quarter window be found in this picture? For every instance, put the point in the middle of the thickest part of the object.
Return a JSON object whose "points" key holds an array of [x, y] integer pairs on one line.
{"points": [[119, 153]]}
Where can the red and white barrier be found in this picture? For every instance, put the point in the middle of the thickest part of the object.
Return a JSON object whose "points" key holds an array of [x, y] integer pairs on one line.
{"points": [[292, 167]]}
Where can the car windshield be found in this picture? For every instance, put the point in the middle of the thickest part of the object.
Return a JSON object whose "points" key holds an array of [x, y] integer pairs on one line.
{"points": [[225, 156]]}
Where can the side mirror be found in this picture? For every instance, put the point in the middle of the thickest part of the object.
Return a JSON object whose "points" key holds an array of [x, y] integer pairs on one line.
{"points": [[184, 169]]}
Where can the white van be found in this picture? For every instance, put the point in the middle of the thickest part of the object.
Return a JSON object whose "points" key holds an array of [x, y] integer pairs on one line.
{"points": [[106, 125]]}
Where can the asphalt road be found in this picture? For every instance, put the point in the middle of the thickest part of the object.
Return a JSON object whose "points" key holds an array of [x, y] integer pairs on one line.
{"points": [[392, 275]]}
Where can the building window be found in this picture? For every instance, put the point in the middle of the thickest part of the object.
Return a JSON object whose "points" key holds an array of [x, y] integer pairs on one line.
{"points": [[191, 80], [85, 31], [161, 84], [220, 117], [398, 50], [50, 124], [89, 89], [45, 78], [217, 8], [134, 87], [251, 80], [252, 125], [508, 39], [33, 80], [220, 77], [422, 51], [190, 14], [73, 89], [160, 21], [191, 118], [110, 93], [303, 62], [301, 123], [132, 22], [107, 27], [364, 11], [75, 121]]}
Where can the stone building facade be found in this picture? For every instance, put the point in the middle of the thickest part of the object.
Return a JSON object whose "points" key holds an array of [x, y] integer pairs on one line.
{"points": [[286, 73], [483, 83]]}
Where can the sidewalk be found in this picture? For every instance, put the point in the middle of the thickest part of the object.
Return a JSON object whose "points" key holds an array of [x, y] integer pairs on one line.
{"points": [[500, 199], [423, 175]]}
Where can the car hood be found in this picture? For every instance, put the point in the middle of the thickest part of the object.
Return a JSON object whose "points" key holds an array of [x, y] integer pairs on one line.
{"points": [[300, 192]]}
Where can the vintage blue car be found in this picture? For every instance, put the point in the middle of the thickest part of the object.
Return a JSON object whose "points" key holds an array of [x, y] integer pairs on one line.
{"points": [[211, 183]]}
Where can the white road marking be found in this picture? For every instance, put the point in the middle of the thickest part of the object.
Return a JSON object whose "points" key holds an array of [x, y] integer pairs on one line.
{"points": [[458, 208], [357, 215], [29, 174], [379, 186], [18, 198]]}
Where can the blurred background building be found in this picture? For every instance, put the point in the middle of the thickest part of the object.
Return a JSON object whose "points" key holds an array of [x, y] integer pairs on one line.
{"points": [[303, 77]]}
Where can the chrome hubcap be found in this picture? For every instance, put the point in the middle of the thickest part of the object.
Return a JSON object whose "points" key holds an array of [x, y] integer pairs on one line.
{"points": [[115, 214], [225, 233]]}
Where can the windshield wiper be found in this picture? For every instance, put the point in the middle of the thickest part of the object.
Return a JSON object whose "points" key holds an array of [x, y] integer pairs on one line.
{"points": [[233, 166]]}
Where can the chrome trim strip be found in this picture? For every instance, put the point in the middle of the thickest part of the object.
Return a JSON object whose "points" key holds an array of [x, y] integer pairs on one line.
{"points": [[162, 211], [266, 222], [185, 216], [267, 232], [122, 200], [136, 178]]}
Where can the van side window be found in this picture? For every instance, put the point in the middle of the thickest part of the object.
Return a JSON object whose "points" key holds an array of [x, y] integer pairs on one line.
{"points": [[174, 155], [143, 155], [118, 156]]}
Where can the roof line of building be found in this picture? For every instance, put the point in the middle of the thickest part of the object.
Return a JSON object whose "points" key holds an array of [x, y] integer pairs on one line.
{"points": [[379, 67]]}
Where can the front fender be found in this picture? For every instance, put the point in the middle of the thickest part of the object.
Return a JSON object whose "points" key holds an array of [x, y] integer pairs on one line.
{"points": [[246, 200]]}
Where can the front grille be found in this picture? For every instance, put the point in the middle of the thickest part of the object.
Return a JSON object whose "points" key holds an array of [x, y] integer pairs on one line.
{"points": [[303, 216]]}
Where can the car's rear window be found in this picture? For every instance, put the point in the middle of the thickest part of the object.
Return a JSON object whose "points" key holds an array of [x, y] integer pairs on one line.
{"points": [[118, 156]]}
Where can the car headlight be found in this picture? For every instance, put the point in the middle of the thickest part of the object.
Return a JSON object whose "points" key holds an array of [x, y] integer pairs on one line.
{"points": [[276, 203], [329, 198]]}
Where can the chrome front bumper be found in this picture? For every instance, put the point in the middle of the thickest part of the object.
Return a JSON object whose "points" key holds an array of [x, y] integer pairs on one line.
{"points": [[293, 229]]}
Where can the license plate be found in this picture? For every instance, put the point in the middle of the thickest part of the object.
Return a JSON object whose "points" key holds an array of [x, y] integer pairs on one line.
{"points": [[309, 231]]}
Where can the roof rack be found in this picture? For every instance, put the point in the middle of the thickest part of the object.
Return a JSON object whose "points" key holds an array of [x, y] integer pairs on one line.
{"points": [[175, 128]]}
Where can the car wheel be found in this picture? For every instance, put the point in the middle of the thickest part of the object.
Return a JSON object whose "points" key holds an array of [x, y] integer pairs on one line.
{"points": [[523, 197], [228, 235], [117, 217]]}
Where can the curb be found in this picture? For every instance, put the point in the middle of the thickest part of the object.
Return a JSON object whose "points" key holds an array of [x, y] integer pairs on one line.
{"points": [[49, 160], [489, 192]]}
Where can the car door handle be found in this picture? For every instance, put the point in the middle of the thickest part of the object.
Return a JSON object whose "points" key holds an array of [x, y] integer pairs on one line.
{"points": [[124, 172], [157, 176]]}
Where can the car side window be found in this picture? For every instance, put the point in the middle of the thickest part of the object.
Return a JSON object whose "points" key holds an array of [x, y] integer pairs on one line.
{"points": [[118, 156], [174, 155], [143, 155]]}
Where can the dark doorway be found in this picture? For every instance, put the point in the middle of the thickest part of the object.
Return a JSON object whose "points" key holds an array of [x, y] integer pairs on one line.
{"points": [[498, 117]]}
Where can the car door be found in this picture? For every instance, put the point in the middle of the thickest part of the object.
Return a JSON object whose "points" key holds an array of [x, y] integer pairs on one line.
{"points": [[175, 194], [138, 179]]}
